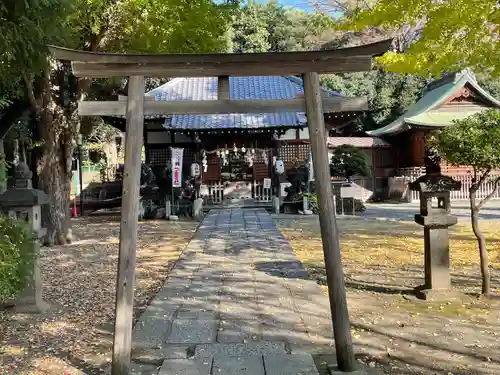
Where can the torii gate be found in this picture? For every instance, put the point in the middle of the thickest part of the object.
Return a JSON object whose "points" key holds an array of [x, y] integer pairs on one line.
{"points": [[136, 67]]}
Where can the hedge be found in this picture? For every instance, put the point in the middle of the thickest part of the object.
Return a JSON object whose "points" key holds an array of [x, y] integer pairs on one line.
{"points": [[17, 256]]}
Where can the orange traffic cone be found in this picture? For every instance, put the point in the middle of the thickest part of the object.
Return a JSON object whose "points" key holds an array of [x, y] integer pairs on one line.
{"points": [[74, 214]]}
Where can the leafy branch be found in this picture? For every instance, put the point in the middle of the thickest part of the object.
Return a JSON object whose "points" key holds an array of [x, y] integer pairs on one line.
{"points": [[474, 141]]}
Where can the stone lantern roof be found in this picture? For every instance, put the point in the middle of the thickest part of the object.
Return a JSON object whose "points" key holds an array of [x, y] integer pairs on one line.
{"points": [[433, 181], [23, 195]]}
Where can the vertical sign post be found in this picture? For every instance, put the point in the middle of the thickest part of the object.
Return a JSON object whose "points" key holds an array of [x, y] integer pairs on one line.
{"points": [[176, 158], [79, 142], [177, 154]]}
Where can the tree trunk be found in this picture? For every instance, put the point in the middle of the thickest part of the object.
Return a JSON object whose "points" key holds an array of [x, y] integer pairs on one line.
{"points": [[55, 172], [481, 241], [111, 152], [121, 152], [3, 169], [56, 127]]}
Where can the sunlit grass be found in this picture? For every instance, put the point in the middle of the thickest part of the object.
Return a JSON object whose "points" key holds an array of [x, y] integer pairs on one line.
{"points": [[390, 243], [388, 248]]}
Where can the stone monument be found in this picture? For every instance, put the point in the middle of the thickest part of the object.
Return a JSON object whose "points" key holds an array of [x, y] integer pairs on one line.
{"points": [[24, 203], [436, 220], [198, 209]]}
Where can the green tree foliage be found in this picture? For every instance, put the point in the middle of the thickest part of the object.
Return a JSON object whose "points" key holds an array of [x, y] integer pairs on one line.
{"points": [[348, 161], [92, 25], [389, 94], [25, 34], [311, 31], [269, 27], [264, 27], [454, 34], [490, 84], [474, 141], [168, 26], [250, 29], [16, 257]]}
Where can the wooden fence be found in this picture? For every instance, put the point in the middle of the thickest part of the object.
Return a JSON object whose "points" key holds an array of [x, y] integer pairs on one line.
{"points": [[260, 193], [411, 174], [213, 192]]}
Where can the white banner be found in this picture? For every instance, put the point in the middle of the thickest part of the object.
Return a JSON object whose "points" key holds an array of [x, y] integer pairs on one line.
{"points": [[177, 166], [310, 167], [267, 183]]}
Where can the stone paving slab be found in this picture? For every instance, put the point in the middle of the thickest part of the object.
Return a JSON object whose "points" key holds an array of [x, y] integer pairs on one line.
{"points": [[187, 312], [251, 349], [298, 364], [237, 294], [238, 365], [150, 355], [186, 367], [239, 331], [144, 369], [192, 331], [154, 323], [334, 370]]}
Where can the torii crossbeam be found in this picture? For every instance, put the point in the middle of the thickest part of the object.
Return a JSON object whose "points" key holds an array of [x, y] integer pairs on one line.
{"points": [[137, 67]]}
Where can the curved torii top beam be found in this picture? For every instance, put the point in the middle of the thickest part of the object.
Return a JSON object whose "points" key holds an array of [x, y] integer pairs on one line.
{"points": [[99, 64]]}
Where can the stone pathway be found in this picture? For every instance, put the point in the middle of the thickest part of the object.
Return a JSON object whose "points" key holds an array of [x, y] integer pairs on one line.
{"points": [[238, 302]]}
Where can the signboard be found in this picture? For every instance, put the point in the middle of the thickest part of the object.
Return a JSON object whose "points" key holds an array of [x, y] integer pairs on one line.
{"points": [[195, 170], [267, 183], [177, 166], [347, 191], [310, 167], [283, 186]]}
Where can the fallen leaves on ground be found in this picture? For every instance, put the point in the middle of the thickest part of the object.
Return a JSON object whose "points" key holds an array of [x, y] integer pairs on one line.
{"points": [[392, 243], [79, 283], [383, 262]]}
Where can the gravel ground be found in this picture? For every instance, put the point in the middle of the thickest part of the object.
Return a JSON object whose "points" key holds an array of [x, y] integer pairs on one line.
{"points": [[79, 283], [391, 329]]}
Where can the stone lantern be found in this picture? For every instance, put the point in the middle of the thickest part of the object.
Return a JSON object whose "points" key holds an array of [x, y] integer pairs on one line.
{"points": [[436, 220], [24, 203]]}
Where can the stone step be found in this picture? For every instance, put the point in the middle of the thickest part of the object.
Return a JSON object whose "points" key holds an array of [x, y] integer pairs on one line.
{"points": [[188, 351], [249, 349], [272, 364]]}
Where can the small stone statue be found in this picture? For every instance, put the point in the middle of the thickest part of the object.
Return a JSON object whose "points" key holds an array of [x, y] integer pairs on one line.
{"points": [[147, 175], [298, 177], [23, 176], [432, 162]]}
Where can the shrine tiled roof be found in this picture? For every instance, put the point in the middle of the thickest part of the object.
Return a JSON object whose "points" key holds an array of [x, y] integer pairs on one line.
{"points": [[430, 112], [240, 88]]}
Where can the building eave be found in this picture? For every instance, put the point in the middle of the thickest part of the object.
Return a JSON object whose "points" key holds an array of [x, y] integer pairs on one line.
{"points": [[404, 122]]}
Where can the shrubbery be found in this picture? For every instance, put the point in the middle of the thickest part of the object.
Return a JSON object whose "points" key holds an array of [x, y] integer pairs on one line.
{"points": [[313, 202], [16, 257]]}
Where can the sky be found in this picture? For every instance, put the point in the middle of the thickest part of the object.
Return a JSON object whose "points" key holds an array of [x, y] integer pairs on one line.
{"points": [[301, 4]]}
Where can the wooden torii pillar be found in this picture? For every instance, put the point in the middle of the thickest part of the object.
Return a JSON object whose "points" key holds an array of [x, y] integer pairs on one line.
{"points": [[136, 67]]}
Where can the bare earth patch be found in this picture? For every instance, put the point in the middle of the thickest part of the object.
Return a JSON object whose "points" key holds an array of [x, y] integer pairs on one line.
{"points": [[79, 282], [383, 262]]}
